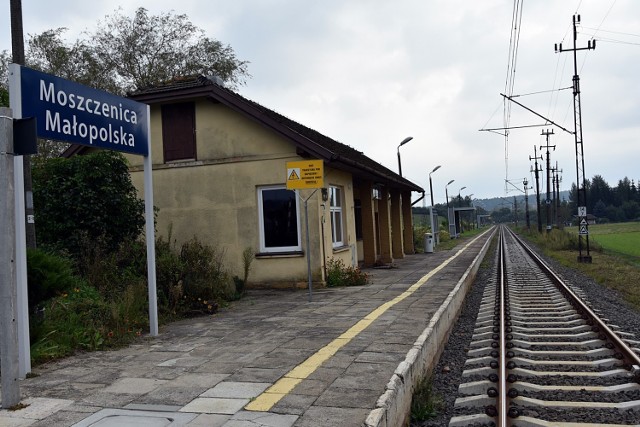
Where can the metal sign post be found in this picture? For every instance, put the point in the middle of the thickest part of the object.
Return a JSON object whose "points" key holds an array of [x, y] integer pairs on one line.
{"points": [[71, 112], [306, 174]]}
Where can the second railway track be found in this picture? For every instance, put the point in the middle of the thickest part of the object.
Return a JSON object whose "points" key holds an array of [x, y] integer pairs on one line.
{"points": [[543, 358]]}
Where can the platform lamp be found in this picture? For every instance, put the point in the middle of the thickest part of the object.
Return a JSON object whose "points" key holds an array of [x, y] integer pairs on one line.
{"points": [[460, 197], [446, 192], [404, 141], [431, 183]]}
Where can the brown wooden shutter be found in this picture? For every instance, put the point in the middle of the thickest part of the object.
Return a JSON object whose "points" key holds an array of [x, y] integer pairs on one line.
{"points": [[179, 131]]}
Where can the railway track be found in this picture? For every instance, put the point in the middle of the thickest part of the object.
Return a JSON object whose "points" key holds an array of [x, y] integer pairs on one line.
{"points": [[540, 356]]}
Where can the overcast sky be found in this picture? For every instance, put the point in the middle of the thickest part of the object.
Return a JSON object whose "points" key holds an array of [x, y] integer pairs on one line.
{"points": [[370, 73]]}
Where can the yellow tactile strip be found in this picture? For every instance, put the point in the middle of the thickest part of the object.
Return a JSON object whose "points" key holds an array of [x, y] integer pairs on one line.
{"points": [[287, 383]]}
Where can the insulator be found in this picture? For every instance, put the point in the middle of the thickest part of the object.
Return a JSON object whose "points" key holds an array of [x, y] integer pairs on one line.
{"points": [[593, 45], [492, 392]]}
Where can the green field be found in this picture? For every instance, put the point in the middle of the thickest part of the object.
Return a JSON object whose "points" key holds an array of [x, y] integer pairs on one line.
{"points": [[620, 238]]}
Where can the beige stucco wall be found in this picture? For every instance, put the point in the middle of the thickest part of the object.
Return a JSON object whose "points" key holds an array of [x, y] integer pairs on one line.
{"points": [[347, 253], [215, 197]]}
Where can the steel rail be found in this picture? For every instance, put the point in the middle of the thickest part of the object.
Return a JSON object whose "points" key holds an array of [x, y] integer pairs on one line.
{"points": [[502, 361], [627, 353]]}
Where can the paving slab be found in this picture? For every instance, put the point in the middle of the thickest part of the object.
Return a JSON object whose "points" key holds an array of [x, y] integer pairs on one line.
{"points": [[133, 418], [215, 405], [209, 368]]}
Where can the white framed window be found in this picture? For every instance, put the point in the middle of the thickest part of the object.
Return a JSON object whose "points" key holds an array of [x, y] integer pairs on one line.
{"points": [[279, 220], [337, 223]]}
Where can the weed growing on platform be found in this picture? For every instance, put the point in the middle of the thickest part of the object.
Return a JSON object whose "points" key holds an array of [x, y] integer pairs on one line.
{"points": [[425, 404], [338, 274]]}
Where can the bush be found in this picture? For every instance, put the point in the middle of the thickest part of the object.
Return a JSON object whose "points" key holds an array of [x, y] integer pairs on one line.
{"points": [[192, 281], [86, 197], [48, 275], [68, 322], [109, 307], [340, 275]]}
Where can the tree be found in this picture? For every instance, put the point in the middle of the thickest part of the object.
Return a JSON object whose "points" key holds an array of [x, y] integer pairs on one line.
{"points": [[4, 76], [124, 54], [600, 209], [623, 191], [599, 190], [86, 200]]}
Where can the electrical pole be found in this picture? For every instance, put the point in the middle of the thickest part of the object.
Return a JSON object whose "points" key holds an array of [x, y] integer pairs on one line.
{"points": [[554, 212], [17, 54], [557, 196], [577, 118], [526, 203], [548, 201], [537, 171]]}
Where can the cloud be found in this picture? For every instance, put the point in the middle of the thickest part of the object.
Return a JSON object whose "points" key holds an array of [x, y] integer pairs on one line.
{"points": [[369, 73]]}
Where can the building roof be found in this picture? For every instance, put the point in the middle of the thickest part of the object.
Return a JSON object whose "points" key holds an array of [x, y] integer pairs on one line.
{"points": [[309, 143]]}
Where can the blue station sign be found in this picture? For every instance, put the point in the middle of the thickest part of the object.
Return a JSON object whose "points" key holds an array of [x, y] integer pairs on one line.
{"points": [[71, 112]]}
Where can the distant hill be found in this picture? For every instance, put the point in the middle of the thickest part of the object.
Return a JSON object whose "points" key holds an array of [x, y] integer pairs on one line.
{"points": [[498, 203]]}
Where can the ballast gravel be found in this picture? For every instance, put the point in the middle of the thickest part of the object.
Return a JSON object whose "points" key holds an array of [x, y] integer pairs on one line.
{"points": [[447, 374]]}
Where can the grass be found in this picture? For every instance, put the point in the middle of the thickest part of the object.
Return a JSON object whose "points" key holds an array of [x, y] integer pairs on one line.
{"points": [[446, 245], [619, 239], [614, 266], [425, 404]]}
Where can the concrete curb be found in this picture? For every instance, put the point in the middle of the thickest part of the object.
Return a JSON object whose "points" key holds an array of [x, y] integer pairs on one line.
{"points": [[393, 407]]}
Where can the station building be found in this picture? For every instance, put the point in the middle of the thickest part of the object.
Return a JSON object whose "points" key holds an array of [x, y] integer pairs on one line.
{"points": [[220, 172]]}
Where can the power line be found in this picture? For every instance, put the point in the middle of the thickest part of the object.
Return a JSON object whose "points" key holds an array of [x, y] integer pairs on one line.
{"points": [[541, 91], [514, 42]]}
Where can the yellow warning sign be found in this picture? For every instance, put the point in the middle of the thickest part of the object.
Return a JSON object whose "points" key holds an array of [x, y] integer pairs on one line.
{"points": [[305, 174]]}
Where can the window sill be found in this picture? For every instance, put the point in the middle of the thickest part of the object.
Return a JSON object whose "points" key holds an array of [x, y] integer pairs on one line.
{"points": [[290, 254], [338, 249]]}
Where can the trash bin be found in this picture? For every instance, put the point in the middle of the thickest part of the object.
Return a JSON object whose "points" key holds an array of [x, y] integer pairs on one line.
{"points": [[428, 243]]}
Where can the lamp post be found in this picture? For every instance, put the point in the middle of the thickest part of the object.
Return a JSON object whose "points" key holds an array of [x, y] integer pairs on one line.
{"points": [[446, 191], [404, 141], [459, 197], [431, 183]]}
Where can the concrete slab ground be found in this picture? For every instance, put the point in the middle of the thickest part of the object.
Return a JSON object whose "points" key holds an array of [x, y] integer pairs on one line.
{"points": [[329, 362]]}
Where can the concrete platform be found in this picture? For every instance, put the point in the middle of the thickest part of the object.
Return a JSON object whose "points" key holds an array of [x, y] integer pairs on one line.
{"points": [[349, 358]]}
